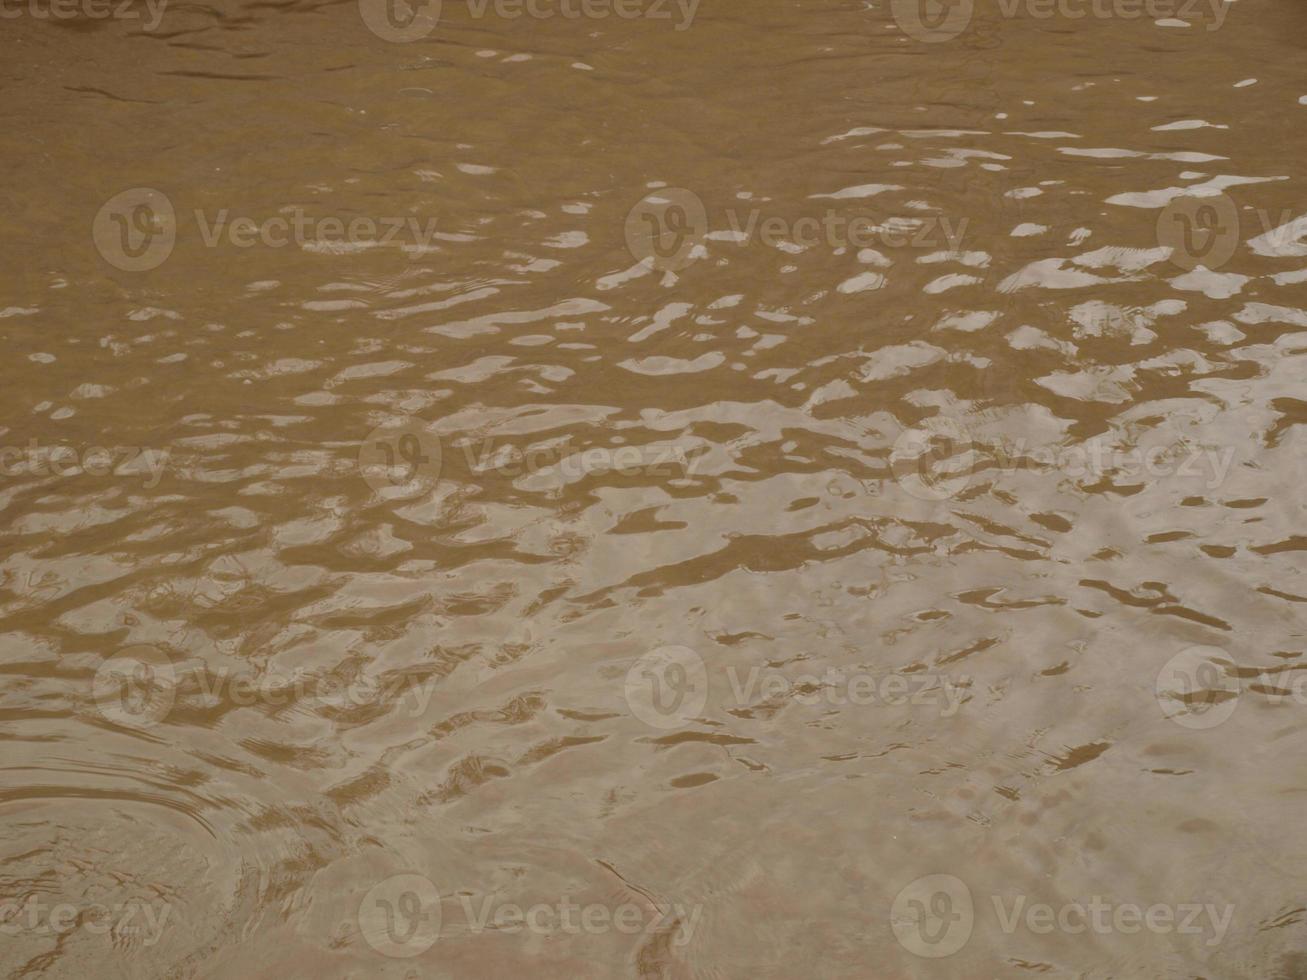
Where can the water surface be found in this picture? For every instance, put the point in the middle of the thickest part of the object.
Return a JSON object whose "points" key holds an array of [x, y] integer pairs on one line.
{"points": [[626, 531]]}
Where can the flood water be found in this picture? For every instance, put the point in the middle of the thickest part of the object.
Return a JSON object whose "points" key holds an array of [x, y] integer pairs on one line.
{"points": [[755, 488]]}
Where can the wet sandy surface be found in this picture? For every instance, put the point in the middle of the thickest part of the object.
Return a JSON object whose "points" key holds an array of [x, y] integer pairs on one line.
{"points": [[742, 489]]}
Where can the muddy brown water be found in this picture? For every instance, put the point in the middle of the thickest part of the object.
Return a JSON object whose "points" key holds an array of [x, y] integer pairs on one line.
{"points": [[742, 489]]}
